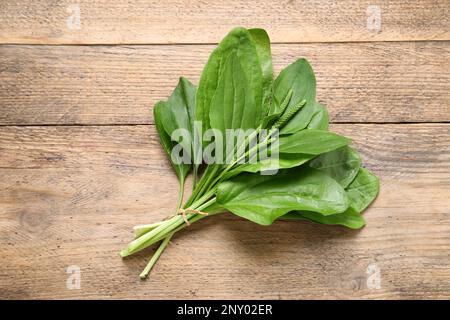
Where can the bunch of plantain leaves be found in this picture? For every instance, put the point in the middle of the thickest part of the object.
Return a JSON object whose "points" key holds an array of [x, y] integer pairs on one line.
{"points": [[288, 166]]}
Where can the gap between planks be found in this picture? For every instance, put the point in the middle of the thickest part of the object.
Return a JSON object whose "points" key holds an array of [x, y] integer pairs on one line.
{"points": [[152, 124], [137, 44]]}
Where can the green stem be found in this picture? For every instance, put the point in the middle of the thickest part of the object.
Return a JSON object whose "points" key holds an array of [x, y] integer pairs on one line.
{"points": [[195, 177], [159, 232], [191, 218], [144, 228], [180, 195], [143, 232], [202, 199], [206, 204], [141, 242], [198, 185], [140, 230], [153, 261], [156, 256], [231, 165], [201, 189]]}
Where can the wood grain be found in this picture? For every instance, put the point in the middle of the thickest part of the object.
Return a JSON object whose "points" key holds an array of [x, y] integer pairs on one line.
{"points": [[359, 82], [185, 21], [80, 161], [70, 196]]}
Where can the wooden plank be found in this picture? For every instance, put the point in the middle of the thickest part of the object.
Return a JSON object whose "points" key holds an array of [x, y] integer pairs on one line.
{"points": [[184, 21], [375, 82], [70, 196]]}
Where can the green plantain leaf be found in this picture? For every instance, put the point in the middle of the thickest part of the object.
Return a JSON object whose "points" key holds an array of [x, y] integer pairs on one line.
{"points": [[159, 112], [179, 113], [350, 218], [363, 190], [360, 193], [298, 77], [262, 199], [312, 141], [233, 105], [262, 43], [241, 43], [341, 164], [285, 161], [320, 118]]}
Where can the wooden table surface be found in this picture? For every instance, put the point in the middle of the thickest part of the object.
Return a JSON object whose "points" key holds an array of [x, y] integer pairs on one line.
{"points": [[80, 161]]}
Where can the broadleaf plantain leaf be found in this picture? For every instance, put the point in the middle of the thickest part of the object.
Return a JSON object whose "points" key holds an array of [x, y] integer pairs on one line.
{"points": [[159, 110], [363, 190], [312, 141], [341, 164], [241, 43], [350, 218], [319, 118], [262, 199]]}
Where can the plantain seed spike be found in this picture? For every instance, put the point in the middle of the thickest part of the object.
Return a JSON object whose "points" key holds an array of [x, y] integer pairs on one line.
{"points": [[289, 114]]}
